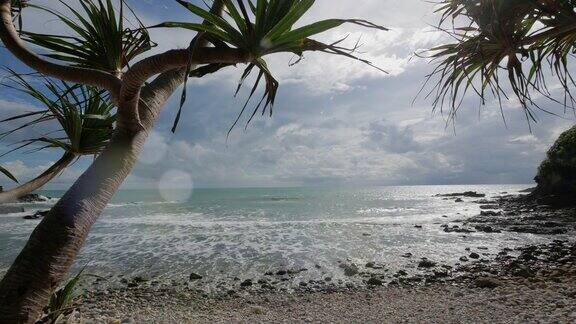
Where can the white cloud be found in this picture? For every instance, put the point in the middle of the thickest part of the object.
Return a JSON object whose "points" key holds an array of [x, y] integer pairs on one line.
{"points": [[340, 121]]}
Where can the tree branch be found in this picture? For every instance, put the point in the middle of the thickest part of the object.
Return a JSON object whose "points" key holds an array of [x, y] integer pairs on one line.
{"points": [[174, 59], [17, 47], [135, 78]]}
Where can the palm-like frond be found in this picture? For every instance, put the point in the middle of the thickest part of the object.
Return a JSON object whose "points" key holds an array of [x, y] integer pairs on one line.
{"points": [[62, 299], [266, 27], [100, 39], [17, 6], [84, 115], [503, 35], [8, 174]]}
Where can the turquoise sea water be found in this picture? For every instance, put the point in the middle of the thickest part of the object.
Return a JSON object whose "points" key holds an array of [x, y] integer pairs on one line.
{"points": [[246, 232]]}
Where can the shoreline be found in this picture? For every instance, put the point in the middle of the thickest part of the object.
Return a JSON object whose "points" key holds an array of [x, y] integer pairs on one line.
{"points": [[514, 285], [503, 290]]}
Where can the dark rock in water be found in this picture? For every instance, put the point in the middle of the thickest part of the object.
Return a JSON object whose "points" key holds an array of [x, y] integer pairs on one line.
{"points": [[43, 213], [407, 255], [327, 279], [418, 226], [32, 198], [303, 284], [484, 207], [459, 200], [456, 229], [296, 271], [490, 213], [37, 215], [470, 194], [195, 276], [139, 279], [374, 265], [11, 209], [486, 282], [246, 283], [401, 273], [317, 266], [350, 270], [441, 273], [374, 282], [425, 263], [474, 255], [464, 259], [486, 229], [524, 272], [281, 272]]}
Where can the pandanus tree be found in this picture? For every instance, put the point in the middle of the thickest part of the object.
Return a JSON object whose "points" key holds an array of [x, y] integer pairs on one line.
{"points": [[232, 32], [511, 49], [83, 117]]}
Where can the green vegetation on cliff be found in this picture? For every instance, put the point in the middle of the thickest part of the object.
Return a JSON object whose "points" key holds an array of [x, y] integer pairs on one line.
{"points": [[557, 174]]}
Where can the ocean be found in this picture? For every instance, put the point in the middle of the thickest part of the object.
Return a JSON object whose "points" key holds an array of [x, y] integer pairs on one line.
{"points": [[227, 233]]}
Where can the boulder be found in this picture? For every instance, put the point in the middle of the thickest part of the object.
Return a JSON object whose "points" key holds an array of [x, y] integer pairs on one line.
{"points": [[195, 276], [374, 265], [246, 283], [33, 198], [486, 229], [374, 282], [487, 282], [350, 270], [425, 263], [456, 229], [469, 194], [37, 215]]}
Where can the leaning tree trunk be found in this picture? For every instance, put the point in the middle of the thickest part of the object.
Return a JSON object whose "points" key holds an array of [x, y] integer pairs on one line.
{"points": [[56, 241], [54, 244], [38, 182]]}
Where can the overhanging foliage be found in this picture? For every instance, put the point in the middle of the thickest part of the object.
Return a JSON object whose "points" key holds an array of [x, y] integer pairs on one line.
{"points": [[523, 39]]}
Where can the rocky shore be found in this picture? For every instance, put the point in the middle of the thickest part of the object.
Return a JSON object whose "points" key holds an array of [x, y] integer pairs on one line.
{"points": [[536, 285], [525, 284]]}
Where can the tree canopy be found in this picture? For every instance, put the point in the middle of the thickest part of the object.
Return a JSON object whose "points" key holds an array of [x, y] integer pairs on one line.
{"points": [[527, 41]]}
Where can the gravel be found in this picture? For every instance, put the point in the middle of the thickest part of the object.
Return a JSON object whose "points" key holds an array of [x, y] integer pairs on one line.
{"points": [[513, 301]]}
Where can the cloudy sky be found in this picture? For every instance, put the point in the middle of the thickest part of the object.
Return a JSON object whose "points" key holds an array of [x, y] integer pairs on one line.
{"points": [[336, 122]]}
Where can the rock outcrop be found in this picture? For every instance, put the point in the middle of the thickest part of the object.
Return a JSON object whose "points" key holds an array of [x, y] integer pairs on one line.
{"points": [[557, 174]]}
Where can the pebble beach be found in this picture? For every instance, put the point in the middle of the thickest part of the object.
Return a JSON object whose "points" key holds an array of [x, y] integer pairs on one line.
{"points": [[528, 284]]}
